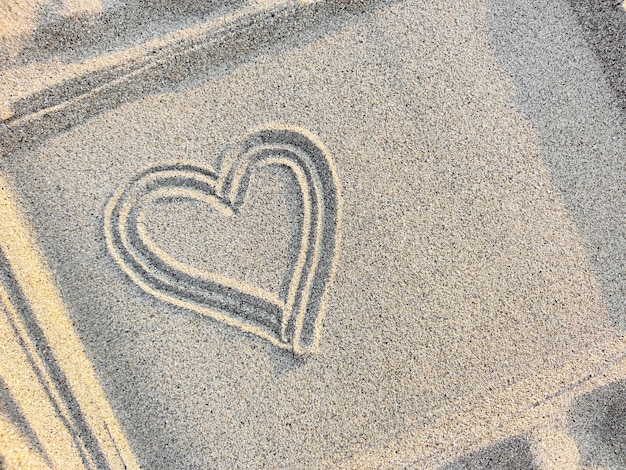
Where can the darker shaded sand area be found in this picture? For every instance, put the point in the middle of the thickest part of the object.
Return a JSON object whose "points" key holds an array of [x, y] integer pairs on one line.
{"points": [[323, 234]]}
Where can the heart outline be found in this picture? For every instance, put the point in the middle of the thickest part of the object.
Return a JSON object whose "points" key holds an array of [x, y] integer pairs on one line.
{"points": [[293, 324]]}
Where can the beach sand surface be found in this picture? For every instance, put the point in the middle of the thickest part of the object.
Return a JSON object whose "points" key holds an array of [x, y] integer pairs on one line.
{"points": [[480, 175]]}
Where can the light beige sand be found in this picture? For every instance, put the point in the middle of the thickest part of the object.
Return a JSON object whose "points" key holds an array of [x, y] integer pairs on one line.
{"points": [[470, 299]]}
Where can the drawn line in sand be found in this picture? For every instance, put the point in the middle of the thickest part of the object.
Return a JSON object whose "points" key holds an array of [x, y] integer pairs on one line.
{"points": [[291, 320], [75, 92], [53, 410]]}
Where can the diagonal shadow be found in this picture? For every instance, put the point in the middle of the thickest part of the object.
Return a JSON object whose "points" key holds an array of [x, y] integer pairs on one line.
{"points": [[10, 408], [187, 59], [562, 91], [513, 453], [597, 423]]}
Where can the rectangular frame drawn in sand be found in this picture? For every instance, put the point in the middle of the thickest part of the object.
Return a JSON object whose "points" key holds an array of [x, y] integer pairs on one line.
{"points": [[49, 383], [55, 413]]}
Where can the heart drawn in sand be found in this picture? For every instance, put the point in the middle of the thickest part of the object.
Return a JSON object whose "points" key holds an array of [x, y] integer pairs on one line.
{"points": [[291, 320]]}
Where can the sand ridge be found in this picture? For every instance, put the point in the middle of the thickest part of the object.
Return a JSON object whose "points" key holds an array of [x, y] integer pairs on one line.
{"points": [[472, 166]]}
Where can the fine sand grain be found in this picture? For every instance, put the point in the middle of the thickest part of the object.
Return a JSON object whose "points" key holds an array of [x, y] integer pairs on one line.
{"points": [[425, 267]]}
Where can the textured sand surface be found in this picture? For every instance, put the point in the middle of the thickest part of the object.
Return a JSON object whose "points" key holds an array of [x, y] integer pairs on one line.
{"points": [[478, 293], [604, 27]]}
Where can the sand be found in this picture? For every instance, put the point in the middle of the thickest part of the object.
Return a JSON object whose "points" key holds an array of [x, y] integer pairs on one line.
{"points": [[336, 235]]}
